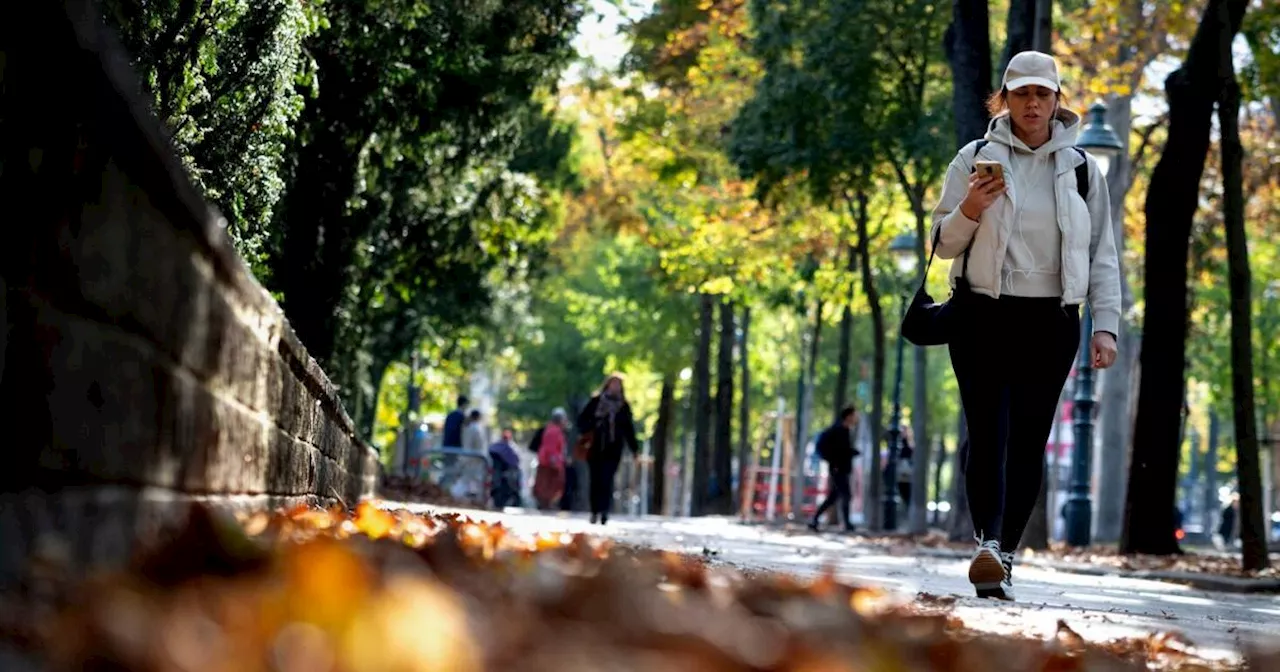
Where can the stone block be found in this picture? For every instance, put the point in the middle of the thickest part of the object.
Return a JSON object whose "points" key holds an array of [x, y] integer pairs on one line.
{"points": [[236, 442], [101, 401], [291, 466]]}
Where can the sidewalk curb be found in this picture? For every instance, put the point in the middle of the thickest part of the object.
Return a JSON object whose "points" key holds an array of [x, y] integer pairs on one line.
{"points": [[1211, 582]]}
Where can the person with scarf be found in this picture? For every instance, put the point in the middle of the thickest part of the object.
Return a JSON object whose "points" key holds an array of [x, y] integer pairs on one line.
{"points": [[607, 427]]}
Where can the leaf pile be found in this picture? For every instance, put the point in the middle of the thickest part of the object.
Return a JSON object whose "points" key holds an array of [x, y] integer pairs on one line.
{"points": [[320, 590]]}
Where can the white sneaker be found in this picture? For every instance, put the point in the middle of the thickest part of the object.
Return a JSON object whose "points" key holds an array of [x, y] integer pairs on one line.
{"points": [[1006, 559], [988, 571]]}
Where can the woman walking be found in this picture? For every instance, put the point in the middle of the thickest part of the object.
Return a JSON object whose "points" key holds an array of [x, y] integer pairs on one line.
{"points": [[1031, 237], [607, 425], [548, 483]]}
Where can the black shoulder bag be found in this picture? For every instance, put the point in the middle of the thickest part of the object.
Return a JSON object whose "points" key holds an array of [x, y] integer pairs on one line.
{"points": [[928, 322]]}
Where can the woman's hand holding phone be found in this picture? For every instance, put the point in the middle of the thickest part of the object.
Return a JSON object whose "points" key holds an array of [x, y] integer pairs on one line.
{"points": [[984, 189]]}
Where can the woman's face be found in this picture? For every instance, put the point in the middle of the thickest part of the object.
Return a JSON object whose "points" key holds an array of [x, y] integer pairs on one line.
{"points": [[614, 387], [1031, 108]]}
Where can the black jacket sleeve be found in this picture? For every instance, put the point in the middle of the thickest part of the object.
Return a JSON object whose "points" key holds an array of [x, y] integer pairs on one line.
{"points": [[850, 445], [629, 430], [587, 418]]}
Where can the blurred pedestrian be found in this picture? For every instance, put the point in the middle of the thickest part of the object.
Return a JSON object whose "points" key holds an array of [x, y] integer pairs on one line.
{"points": [[454, 423], [506, 471], [607, 428], [548, 481], [906, 457], [835, 445], [473, 435], [1227, 523]]}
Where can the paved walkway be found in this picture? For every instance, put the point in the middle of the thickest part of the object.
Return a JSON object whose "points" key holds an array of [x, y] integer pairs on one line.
{"points": [[1098, 607]]}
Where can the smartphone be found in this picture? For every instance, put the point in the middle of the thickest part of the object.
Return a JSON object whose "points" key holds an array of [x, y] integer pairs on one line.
{"points": [[989, 169]]}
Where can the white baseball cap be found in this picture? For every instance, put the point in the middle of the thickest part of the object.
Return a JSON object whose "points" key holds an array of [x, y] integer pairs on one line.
{"points": [[1032, 68]]}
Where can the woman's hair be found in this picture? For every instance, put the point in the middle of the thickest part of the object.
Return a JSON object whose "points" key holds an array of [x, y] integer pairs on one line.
{"points": [[998, 102], [609, 379]]}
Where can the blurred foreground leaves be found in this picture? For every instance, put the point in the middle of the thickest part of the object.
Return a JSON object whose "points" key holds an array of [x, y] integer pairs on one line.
{"points": [[377, 590]]}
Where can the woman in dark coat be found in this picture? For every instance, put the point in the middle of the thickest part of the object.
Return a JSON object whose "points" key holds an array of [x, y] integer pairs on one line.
{"points": [[608, 422]]}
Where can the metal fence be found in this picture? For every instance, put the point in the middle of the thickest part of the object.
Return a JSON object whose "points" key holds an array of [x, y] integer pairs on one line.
{"points": [[465, 476]]}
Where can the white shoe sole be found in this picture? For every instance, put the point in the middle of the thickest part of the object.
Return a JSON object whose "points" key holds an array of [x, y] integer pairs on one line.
{"points": [[986, 573]]}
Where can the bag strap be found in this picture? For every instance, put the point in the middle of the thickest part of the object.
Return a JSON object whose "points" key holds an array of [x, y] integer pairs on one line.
{"points": [[937, 235], [1082, 175]]}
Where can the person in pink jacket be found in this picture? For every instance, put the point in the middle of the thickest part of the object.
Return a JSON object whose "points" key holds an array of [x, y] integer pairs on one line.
{"points": [[548, 482]]}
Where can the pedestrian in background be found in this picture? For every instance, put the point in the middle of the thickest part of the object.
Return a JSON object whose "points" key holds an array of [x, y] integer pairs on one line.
{"points": [[473, 435], [906, 462], [835, 445], [506, 471], [548, 482], [454, 424], [607, 427]]}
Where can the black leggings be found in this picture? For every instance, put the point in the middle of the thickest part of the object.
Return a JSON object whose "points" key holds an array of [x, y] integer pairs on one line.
{"points": [[1011, 357], [603, 469], [840, 491]]}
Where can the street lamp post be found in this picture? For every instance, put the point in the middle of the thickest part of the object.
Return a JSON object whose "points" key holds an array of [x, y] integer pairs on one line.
{"points": [[1100, 140], [903, 248]]}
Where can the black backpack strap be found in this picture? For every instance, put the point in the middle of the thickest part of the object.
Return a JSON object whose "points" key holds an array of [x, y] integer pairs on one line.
{"points": [[982, 142], [1082, 175]]}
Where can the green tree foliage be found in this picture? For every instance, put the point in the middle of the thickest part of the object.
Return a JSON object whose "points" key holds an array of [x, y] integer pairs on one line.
{"points": [[227, 77], [388, 168], [434, 87]]}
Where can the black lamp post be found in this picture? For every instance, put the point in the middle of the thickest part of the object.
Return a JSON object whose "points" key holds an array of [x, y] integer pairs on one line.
{"points": [[903, 248], [1101, 141]]}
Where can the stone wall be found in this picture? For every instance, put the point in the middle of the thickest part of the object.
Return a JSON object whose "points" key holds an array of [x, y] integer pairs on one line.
{"points": [[143, 366]]}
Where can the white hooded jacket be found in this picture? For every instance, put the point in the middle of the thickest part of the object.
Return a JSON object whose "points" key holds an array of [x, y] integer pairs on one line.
{"points": [[1089, 265]]}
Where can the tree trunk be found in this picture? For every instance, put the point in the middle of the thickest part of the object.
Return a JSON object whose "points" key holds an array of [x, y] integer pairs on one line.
{"points": [[745, 452], [846, 338], [968, 47], [1020, 30], [1172, 200], [661, 439], [1253, 531], [1114, 404], [1211, 475], [917, 513], [702, 406], [874, 490], [961, 522], [317, 241], [1042, 39], [804, 411], [367, 409], [722, 465]]}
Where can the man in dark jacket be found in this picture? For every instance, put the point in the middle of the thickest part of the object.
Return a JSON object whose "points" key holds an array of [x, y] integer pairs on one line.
{"points": [[453, 424], [835, 445]]}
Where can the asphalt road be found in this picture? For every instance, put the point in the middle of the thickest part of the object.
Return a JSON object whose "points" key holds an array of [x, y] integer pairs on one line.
{"points": [[1098, 607]]}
